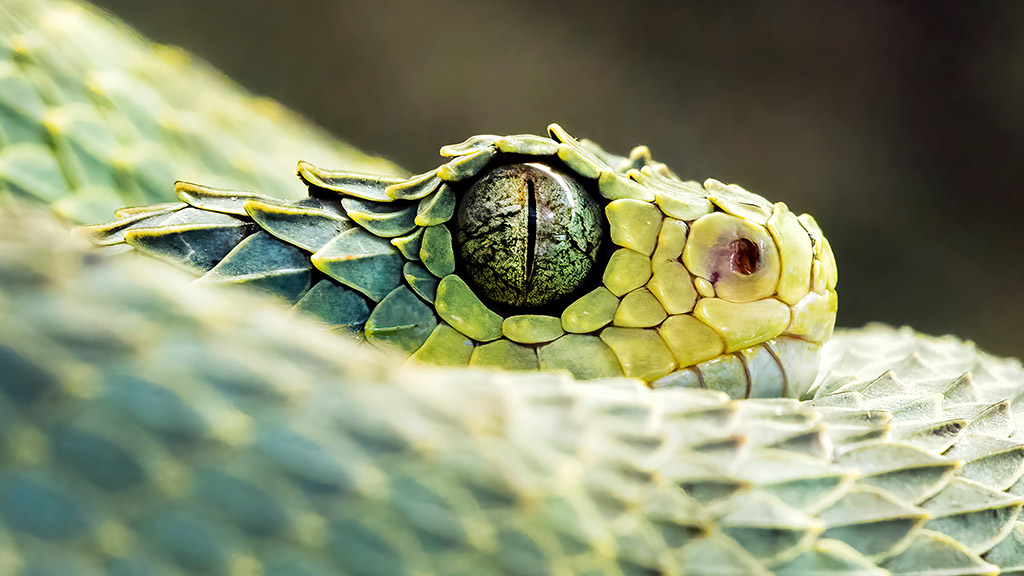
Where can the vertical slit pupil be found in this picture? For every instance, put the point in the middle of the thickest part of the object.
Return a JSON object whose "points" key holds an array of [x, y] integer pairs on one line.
{"points": [[531, 230], [745, 256]]}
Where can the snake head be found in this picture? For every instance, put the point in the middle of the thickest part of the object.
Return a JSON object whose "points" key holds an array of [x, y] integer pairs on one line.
{"points": [[528, 252]]}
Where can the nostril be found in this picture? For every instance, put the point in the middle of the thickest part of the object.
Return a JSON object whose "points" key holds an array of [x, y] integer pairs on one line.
{"points": [[745, 256]]}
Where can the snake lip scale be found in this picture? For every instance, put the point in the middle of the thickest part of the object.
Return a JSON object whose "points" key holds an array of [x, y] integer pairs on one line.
{"points": [[538, 357]]}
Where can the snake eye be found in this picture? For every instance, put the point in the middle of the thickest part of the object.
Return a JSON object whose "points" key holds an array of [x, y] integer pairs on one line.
{"points": [[736, 255], [527, 235]]}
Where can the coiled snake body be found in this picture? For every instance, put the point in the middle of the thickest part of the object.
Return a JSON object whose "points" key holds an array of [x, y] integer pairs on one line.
{"points": [[150, 424]]}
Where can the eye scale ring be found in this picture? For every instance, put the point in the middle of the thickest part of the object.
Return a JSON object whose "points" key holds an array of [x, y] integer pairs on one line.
{"points": [[528, 234]]}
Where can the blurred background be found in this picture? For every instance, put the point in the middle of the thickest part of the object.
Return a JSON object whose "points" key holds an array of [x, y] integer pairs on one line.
{"points": [[899, 125]]}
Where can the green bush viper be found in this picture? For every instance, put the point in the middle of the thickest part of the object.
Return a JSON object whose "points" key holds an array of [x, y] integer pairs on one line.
{"points": [[150, 424]]}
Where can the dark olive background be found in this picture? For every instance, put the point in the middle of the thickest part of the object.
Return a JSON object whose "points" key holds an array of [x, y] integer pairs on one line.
{"points": [[899, 125]]}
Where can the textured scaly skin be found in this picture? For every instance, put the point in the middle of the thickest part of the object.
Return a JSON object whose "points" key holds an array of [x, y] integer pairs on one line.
{"points": [[149, 425], [93, 118], [379, 257]]}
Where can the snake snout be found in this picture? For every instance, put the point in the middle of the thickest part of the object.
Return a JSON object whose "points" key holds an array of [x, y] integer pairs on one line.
{"points": [[765, 280]]}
